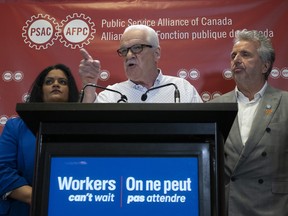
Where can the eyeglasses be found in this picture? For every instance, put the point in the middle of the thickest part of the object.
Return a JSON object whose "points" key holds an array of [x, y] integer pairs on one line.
{"points": [[135, 49]]}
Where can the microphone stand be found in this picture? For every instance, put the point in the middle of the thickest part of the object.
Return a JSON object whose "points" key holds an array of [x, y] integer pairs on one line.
{"points": [[176, 92], [82, 92]]}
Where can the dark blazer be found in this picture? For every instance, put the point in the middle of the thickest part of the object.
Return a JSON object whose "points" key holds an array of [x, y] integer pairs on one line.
{"points": [[256, 175]]}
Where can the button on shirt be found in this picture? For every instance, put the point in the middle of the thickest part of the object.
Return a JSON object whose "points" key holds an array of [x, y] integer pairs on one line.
{"points": [[247, 111], [188, 93]]}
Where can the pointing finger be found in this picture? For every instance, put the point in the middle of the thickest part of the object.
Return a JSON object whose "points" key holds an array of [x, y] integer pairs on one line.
{"points": [[85, 54]]}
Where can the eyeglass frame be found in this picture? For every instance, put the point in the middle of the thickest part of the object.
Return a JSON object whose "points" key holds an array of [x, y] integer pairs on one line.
{"points": [[131, 48]]}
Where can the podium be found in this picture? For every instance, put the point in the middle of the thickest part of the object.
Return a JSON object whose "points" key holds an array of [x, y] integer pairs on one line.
{"points": [[128, 159]]}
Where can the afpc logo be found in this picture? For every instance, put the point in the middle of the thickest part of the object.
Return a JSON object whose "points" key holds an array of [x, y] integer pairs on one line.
{"points": [[76, 30], [41, 31]]}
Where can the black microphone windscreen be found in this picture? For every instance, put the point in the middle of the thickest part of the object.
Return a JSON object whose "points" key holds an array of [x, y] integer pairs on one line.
{"points": [[144, 97]]}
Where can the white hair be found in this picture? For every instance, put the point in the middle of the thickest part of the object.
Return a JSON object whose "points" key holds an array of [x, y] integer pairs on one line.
{"points": [[151, 34]]}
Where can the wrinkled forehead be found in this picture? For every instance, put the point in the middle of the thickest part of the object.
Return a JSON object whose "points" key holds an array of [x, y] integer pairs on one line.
{"points": [[246, 45], [134, 36]]}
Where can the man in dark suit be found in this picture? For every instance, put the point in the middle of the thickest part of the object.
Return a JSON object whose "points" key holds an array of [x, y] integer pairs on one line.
{"points": [[256, 150]]}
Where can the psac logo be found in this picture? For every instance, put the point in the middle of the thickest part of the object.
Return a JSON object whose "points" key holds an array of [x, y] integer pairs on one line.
{"points": [[75, 31]]}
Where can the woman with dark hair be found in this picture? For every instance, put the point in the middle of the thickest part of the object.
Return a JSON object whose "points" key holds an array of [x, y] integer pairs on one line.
{"points": [[36, 91], [18, 144]]}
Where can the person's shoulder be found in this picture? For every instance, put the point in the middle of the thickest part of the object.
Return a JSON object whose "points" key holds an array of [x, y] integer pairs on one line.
{"points": [[176, 80], [16, 127], [15, 122], [279, 95], [119, 84], [284, 94], [13, 127], [173, 77], [274, 90], [227, 97]]}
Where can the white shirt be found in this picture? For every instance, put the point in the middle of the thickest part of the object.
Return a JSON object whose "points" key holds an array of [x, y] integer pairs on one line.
{"points": [[247, 111], [134, 92]]}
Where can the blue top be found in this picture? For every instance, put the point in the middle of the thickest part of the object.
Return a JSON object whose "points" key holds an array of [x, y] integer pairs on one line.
{"points": [[17, 153]]}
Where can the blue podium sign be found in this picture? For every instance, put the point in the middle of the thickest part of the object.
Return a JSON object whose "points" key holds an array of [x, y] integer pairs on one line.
{"points": [[106, 186]]}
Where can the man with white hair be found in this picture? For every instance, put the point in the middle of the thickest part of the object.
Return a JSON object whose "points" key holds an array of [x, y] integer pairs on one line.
{"points": [[140, 51]]}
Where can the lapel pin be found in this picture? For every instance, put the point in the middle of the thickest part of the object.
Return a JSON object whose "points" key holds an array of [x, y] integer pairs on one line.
{"points": [[268, 109]]}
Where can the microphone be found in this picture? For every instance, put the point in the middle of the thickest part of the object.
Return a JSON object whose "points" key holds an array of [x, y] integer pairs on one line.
{"points": [[176, 92], [82, 92]]}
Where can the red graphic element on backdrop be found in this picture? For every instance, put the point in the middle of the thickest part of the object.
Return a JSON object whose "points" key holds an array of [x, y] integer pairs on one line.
{"points": [[275, 73], [284, 73], [104, 75], [40, 31], [227, 74], [182, 73], [194, 74], [206, 96], [77, 31], [3, 120]]}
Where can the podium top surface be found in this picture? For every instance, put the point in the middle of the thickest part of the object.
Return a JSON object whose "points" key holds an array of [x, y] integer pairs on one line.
{"points": [[35, 113]]}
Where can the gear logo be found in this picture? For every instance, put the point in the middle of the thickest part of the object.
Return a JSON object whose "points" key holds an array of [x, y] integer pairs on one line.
{"points": [[227, 74], [76, 30], [7, 76], [182, 73], [40, 31], [18, 76], [206, 96], [275, 73], [25, 97], [194, 74], [216, 94], [104, 75], [284, 73], [3, 120]]}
